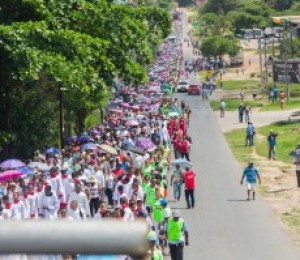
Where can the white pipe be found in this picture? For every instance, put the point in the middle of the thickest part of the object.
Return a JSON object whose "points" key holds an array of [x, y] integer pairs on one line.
{"points": [[86, 237]]}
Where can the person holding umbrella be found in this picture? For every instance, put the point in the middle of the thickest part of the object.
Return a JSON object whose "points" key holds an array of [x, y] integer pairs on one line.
{"points": [[177, 181]]}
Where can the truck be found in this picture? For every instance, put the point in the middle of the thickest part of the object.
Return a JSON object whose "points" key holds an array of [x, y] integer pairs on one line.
{"points": [[237, 59]]}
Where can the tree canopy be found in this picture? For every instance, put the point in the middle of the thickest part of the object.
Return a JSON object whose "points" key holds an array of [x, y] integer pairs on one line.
{"points": [[80, 46]]}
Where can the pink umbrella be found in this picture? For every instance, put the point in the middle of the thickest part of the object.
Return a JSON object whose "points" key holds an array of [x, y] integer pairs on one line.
{"points": [[132, 122], [125, 105], [10, 174]]}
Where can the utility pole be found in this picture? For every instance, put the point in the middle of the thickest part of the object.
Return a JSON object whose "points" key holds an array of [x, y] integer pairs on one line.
{"points": [[286, 66], [61, 116], [266, 64], [260, 62]]}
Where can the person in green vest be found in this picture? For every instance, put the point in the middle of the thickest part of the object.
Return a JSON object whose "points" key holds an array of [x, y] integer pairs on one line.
{"points": [[146, 170], [150, 196], [158, 211], [177, 235], [154, 252]]}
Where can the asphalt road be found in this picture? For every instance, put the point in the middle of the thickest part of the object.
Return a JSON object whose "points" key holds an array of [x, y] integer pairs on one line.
{"points": [[223, 225]]}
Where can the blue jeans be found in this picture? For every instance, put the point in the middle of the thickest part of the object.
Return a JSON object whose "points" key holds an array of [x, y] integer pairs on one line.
{"points": [[177, 190]]}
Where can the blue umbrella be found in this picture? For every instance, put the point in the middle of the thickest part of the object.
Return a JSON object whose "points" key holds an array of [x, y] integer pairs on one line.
{"points": [[26, 171], [85, 139], [89, 146], [71, 139], [52, 150]]}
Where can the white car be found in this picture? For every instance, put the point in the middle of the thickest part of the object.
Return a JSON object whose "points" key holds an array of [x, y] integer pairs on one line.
{"points": [[183, 85]]}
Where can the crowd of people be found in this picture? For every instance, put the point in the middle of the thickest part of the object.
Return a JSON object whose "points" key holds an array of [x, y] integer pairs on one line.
{"points": [[120, 169]]}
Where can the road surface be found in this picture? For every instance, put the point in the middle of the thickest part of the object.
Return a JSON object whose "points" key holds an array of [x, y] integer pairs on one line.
{"points": [[223, 225]]}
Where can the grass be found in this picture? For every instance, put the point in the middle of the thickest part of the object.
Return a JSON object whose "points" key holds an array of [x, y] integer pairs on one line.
{"points": [[292, 219], [288, 137], [236, 141], [286, 141], [292, 103], [93, 119], [238, 84], [232, 104]]}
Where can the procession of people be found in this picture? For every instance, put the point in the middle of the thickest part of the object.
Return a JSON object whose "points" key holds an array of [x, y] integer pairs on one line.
{"points": [[120, 169]]}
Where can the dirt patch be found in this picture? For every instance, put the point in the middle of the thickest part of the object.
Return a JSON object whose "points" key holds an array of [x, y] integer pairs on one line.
{"points": [[280, 191]]}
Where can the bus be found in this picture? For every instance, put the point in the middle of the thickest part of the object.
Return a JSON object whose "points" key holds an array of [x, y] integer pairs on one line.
{"points": [[248, 34], [172, 39]]}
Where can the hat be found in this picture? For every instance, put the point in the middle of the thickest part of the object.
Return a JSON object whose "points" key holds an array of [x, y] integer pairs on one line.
{"points": [[92, 179], [176, 214], [163, 202], [271, 130]]}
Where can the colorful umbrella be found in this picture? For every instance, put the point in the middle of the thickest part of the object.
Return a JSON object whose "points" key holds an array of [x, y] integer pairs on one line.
{"points": [[132, 122], [85, 139], [71, 139], [145, 143], [10, 174], [40, 165], [125, 105], [182, 162], [11, 164], [135, 149], [52, 150], [26, 171], [108, 149], [89, 146]]}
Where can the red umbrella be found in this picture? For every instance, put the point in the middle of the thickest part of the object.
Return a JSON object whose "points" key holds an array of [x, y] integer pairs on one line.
{"points": [[10, 174]]}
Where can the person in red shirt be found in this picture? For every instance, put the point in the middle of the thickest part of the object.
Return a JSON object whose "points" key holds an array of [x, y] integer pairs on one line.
{"points": [[189, 180], [185, 148], [182, 125], [176, 146]]}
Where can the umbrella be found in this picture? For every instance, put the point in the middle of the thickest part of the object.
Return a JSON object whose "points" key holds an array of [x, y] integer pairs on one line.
{"points": [[40, 165], [11, 164], [182, 162], [132, 122], [85, 139], [146, 100], [52, 150], [10, 174], [172, 114], [135, 149], [108, 149], [145, 143], [71, 139], [89, 146], [94, 132], [125, 105], [26, 170]]}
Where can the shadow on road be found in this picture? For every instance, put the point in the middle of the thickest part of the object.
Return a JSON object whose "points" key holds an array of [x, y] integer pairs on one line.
{"points": [[237, 200]]}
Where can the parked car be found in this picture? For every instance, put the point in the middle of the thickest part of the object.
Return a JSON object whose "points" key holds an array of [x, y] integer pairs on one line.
{"points": [[194, 89], [183, 85]]}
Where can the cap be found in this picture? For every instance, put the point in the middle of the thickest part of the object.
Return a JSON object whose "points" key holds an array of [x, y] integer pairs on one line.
{"points": [[271, 130], [176, 214], [163, 202], [92, 179]]}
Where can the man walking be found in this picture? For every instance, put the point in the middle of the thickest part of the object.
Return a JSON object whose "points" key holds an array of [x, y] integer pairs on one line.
{"points": [[241, 110], [250, 132], [189, 180], [222, 109], [177, 235], [272, 143], [252, 175], [296, 161]]}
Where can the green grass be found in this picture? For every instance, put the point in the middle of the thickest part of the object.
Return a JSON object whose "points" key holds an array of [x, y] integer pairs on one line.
{"points": [[93, 119], [236, 141], [233, 104], [286, 141], [238, 84], [287, 138], [292, 103]]}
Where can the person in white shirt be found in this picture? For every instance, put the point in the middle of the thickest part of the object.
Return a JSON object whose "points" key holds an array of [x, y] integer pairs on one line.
{"points": [[18, 207], [128, 214], [73, 211], [136, 191], [49, 204], [82, 200], [66, 186], [7, 210], [118, 194], [55, 182]]}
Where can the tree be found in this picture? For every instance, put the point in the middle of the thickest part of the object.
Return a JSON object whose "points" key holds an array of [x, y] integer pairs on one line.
{"points": [[218, 46], [77, 45], [217, 6]]}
